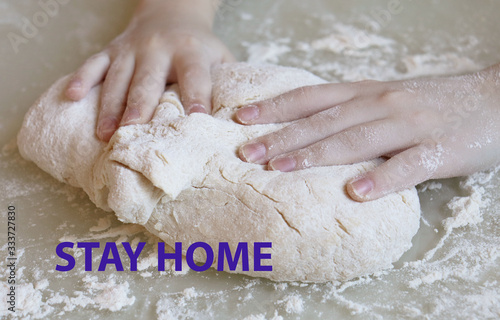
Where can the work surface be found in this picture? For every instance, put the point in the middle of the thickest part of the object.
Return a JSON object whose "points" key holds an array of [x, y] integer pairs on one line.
{"points": [[452, 271]]}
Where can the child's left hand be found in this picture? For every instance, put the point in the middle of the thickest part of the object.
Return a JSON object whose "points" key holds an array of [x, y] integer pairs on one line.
{"points": [[430, 128]]}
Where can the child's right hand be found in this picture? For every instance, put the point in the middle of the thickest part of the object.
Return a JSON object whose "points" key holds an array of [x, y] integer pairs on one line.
{"points": [[166, 41], [429, 128]]}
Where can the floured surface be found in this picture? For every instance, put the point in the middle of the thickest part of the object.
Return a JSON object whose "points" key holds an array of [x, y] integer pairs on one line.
{"points": [[460, 280]]}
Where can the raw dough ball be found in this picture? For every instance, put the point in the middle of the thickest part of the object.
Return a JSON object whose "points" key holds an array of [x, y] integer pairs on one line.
{"points": [[181, 178]]}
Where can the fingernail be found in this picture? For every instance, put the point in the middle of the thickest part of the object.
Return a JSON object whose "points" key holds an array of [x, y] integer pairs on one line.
{"points": [[248, 113], [107, 127], [284, 164], [253, 152], [131, 115], [197, 108], [362, 186]]}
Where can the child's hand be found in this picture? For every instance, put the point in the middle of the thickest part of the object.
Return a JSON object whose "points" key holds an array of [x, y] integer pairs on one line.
{"points": [[166, 41], [430, 128]]}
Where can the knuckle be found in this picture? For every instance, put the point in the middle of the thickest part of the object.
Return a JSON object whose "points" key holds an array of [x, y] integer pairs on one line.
{"points": [[303, 93], [191, 42], [272, 111], [154, 41], [136, 99], [430, 158], [321, 124], [148, 82], [403, 166], [391, 97], [284, 107], [116, 73], [324, 122], [384, 179], [314, 155], [387, 178], [195, 70], [184, 44], [351, 139], [110, 103], [420, 118], [275, 142]]}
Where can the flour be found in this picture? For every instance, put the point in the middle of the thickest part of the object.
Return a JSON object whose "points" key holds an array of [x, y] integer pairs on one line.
{"points": [[349, 40], [263, 317], [266, 53], [361, 55], [292, 303], [31, 304], [431, 64], [9, 15], [107, 295], [102, 224], [467, 210], [429, 185], [445, 285]]}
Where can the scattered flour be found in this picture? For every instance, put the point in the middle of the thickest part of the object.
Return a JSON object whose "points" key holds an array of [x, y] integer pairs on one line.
{"points": [[429, 185], [32, 301], [359, 55], [467, 210], [431, 64], [108, 295], [266, 53], [263, 317], [293, 303], [349, 40], [102, 224]]}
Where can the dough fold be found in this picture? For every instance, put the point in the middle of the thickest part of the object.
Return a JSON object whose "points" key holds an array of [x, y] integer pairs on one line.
{"points": [[180, 177]]}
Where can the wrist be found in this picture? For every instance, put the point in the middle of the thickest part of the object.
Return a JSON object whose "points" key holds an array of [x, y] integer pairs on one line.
{"points": [[199, 12]]}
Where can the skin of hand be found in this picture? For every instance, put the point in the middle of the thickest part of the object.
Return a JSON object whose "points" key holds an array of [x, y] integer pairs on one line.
{"points": [[167, 41], [428, 128]]}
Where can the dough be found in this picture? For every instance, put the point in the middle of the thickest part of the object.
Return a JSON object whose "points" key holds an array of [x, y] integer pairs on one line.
{"points": [[181, 178]]}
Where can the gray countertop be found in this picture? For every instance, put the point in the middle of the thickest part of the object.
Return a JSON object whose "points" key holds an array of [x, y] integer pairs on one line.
{"points": [[450, 273]]}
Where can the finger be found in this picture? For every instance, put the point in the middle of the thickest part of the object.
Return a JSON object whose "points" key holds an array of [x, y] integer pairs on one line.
{"points": [[307, 131], [195, 82], [87, 76], [355, 144], [114, 93], [227, 56], [148, 84], [403, 171], [298, 103]]}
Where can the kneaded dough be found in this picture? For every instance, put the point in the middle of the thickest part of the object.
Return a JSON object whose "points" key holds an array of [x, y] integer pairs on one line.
{"points": [[181, 178]]}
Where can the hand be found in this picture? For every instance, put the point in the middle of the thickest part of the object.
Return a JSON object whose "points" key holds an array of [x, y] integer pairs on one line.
{"points": [[166, 41], [429, 128]]}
